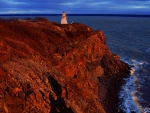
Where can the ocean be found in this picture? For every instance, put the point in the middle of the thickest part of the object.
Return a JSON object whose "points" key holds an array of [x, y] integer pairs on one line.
{"points": [[128, 37]]}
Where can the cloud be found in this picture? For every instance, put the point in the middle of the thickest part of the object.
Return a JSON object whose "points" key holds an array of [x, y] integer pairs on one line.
{"points": [[27, 6], [74, 6], [97, 4], [15, 3], [70, 3]]}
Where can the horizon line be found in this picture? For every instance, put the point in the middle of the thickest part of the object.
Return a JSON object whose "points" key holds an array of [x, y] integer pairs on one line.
{"points": [[71, 14]]}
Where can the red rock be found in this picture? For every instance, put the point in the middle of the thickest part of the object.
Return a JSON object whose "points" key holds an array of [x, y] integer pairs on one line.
{"points": [[57, 67]]}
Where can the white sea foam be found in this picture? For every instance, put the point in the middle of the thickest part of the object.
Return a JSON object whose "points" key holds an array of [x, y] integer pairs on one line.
{"points": [[130, 101], [126, 95], [146, 110]]}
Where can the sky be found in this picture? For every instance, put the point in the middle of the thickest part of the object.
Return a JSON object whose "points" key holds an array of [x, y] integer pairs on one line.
{"points": [[75, 6]]}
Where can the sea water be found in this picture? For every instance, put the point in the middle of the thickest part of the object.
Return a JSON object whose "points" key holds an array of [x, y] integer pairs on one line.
{"points": [[130, 38]]}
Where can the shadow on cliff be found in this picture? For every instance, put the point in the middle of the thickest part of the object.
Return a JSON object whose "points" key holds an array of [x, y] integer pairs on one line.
{"points": [[59, 105]]}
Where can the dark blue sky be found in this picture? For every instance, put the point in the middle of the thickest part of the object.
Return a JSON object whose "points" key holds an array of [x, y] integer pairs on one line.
{"points": [[75, 6]]}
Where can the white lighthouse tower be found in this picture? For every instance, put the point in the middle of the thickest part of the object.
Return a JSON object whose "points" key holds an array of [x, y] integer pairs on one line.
{"points": [[64, 18]]}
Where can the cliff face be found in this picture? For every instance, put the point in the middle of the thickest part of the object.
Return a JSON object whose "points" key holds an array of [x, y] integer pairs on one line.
{"points": [[46, 67]]}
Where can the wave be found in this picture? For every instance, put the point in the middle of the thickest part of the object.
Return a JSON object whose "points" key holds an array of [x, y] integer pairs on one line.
{"points": [[148, 50], [130, 101]]}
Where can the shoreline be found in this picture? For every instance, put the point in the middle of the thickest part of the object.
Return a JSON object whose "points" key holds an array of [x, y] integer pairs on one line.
{"points": [[113, 85]]}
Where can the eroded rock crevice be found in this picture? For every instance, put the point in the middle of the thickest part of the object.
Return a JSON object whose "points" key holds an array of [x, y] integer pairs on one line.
{"points": [[56, 87]]}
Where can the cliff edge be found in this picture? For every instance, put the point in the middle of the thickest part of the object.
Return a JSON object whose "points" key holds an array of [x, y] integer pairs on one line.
{"points": [[46, 67]]}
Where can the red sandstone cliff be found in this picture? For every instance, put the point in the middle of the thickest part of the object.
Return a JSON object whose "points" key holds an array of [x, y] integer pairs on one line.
{"points": [[46, 67]]}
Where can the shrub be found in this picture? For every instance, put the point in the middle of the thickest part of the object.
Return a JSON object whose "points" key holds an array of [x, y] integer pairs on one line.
{"points": [[3, 20], [41, 19], [13, 19], [28, 19]]}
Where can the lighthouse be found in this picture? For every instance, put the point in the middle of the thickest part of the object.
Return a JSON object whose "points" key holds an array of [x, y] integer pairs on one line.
{"points": [[63, 18]]}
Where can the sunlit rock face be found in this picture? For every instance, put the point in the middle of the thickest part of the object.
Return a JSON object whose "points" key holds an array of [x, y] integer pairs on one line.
{"points": [[47, 67]]}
